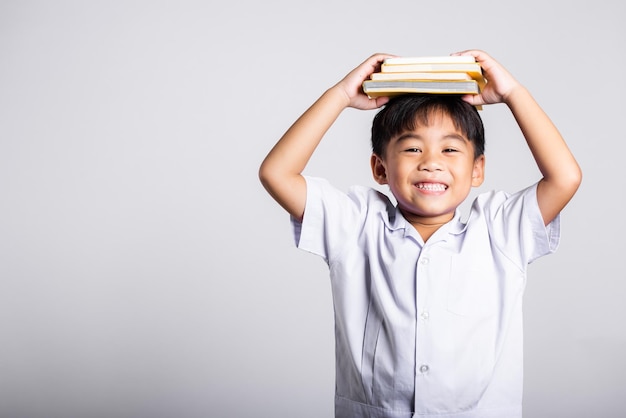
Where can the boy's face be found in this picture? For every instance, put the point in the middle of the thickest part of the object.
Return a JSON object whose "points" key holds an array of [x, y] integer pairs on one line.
{"points": [[429, 170]]}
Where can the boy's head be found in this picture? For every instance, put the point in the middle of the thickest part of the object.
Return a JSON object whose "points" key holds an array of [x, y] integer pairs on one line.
{"points": [[405, 112], [429, 150]]}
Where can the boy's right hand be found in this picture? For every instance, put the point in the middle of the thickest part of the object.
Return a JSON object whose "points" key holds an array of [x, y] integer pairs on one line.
{"points": [[281, 171], [352, 84]]}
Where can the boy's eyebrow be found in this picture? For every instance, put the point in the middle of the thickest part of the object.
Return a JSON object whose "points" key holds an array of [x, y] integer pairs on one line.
{"points": [[406, 136], [409, 135]]}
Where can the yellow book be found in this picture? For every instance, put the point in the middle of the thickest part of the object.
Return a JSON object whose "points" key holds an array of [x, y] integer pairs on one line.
{"points": [[473, 69], [421, 76], [377, 88], [460, 64], [445, 59], [427, 75]]}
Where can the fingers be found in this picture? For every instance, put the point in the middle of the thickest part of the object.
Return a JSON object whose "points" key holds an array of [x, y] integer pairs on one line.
{"points": [[373, 63], [367, 67], [479, 54], [499, 81], [352, 83], [474, 99], [380, 101], [366, 103], [380, 57]]}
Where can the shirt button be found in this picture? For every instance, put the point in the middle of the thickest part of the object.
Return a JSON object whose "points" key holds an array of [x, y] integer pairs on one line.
{"points": [[424, 260], [424, 368], [425, 315]]}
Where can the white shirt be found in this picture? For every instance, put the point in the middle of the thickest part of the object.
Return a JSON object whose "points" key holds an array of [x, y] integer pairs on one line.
{"points": [[426, 329]]}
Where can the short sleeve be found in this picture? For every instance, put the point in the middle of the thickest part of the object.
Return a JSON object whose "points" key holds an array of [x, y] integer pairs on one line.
{"points": [[333, 217], [517, 227]]}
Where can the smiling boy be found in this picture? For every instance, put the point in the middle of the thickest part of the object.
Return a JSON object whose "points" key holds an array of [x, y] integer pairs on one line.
{"points": [[428, 317], [428, 161]]}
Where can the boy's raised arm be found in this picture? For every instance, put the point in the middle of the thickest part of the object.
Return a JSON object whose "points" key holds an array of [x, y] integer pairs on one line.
{"points": [[561, 173], [281, 171]]}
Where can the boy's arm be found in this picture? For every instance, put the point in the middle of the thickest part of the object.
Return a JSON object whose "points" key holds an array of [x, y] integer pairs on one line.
{"points": [[561, 173], [280, 172]]}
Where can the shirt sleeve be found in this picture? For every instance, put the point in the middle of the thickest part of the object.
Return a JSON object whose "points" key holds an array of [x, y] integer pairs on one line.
{"points": [[332, 217], [517, 227]]}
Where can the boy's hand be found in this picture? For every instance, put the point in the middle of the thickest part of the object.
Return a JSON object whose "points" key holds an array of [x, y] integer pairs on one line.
{"points": [[281, 170], [500, 83], [352, 84]]}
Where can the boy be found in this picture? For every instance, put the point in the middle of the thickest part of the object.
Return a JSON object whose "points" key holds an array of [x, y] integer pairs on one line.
{"points": [[427, 307]]}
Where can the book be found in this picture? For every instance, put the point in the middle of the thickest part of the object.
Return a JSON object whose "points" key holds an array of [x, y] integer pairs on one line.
{"points": [[458, 74], [473, 69], [420, 76], [449, 59], [377, 88]]}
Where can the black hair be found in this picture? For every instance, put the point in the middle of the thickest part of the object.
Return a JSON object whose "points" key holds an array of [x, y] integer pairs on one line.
{"points": [[405, 112]]}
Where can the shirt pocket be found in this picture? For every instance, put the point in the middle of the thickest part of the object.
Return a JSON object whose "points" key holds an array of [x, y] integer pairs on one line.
{"points": [[387, 369], [473, 288]]}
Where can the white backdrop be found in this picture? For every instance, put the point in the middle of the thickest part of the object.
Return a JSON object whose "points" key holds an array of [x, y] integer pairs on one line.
{"points": [[145, 273]]}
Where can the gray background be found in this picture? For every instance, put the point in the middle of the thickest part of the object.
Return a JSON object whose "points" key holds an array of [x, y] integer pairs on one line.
{"points": [[145, 273]]}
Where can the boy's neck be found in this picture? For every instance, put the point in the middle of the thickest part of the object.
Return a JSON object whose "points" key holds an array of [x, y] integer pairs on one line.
{"points": [[426, 230], [426, 227]]}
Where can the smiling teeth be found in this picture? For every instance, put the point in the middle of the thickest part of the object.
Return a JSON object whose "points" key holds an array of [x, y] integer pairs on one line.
{"points": [[434, 187]]}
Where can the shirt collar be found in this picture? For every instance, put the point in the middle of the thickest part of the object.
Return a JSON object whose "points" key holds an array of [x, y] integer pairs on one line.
{"points": [[394, 220]]}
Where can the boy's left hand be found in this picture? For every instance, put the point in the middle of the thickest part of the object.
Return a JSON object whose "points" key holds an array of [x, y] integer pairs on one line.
{"points": [[500, 83]]}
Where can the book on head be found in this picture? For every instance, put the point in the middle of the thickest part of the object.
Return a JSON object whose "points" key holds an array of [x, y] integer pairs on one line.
{"points": [[454, 74], [446, 59], [377, 88], [471, 68], [421, 76]]}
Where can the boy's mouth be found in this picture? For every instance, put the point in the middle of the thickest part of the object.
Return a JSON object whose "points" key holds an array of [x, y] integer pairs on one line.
{"points": [[432, 187]]}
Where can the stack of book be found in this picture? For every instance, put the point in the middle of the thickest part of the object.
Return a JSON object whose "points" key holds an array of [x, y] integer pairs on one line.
{"points": [[437, 75]]}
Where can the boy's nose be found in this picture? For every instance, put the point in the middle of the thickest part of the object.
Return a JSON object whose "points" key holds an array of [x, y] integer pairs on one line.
{"points": [[429, 162]]}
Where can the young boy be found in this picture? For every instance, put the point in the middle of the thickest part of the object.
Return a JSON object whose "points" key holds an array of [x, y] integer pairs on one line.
{"points": [[428, 308]]}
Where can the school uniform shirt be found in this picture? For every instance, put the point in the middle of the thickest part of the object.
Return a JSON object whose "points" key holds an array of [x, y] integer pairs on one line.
{"points": [[426, 329]]}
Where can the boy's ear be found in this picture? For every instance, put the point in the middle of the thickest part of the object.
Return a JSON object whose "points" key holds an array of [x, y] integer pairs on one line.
{"points": [[378, 169], [478, 172]]}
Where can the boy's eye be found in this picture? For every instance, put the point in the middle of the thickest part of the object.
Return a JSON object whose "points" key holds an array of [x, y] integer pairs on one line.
{"points": [[413, 150], [449, 150]]}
